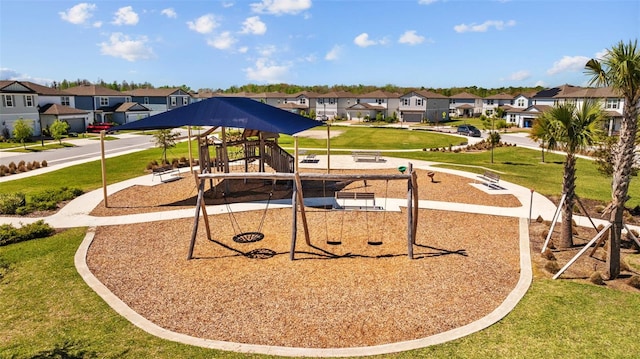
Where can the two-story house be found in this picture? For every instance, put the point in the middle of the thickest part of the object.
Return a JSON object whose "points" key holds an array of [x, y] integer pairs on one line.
{"points": [[423, 105], [55, 104], [465, 104], [161, 99], [100, 102], [19, 102], [373, 104], [490, 103], [611, 102]]}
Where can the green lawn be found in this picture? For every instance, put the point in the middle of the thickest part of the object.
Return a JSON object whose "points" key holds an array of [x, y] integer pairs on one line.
{"points": [[44, 304]]}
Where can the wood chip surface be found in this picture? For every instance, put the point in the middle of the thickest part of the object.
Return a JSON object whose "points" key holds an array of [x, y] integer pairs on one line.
{"points": [[352, 294]]}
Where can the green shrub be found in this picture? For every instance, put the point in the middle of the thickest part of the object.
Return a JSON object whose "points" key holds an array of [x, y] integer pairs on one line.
{"points": [[10, 202], [10, 234]]}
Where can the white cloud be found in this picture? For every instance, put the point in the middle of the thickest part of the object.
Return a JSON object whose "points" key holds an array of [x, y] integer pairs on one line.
{"points": [[78, 14], [520, 75], [227, 4], [426, 2], [253, 25], [410, 37], [243, 49], [601, 54], [223, 41], [204, 24], [169, 12], [120, 45], [13, 75], [334, 53], [267, 50], [363, 40], [267, 71], [279, 7], [97, 24], [540, 83], [568, 63], [497, 24], [125, 16]]}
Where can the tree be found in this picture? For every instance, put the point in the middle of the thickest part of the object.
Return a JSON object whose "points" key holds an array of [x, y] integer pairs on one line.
{"points": [[58, 129], [165, 139], [620, 69], [22, 131], [542, 131], [573, 129]]}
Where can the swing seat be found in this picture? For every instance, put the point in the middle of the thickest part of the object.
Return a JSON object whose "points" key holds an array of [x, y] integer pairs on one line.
{"points": [[248, 237]]}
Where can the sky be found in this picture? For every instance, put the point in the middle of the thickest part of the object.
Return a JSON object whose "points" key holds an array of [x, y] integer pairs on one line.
{"points": [[219, 44]]}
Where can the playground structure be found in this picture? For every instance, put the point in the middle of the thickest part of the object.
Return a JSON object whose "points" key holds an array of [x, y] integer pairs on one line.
{"points": [[266, 151]]}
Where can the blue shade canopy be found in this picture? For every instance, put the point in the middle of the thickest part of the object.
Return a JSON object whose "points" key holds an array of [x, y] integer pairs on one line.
{"points": [[239, 112]]}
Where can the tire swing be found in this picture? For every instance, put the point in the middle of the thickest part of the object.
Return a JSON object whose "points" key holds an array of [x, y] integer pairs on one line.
{"points": [[241, 236]]}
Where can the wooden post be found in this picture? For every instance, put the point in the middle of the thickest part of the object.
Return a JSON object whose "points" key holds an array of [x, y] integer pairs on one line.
{"points": [[196, 218], [295, 153], [190, 150], [416, 197], [303, 214], [224, 150], [104, 170], [566, 266], [410, 238], [553, 222], [294, 222]]}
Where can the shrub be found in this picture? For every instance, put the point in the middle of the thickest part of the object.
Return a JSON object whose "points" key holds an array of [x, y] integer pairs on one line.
{"points": [[44, 163], [35, 164], [10, 234], [552, 267], [10, 202], [29, 166], [49, 200], [21, 163], [548, 255], [12, 166]]}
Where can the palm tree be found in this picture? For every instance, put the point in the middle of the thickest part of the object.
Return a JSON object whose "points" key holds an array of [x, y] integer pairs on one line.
{"points": [[542, 131], [573, 129], [620, 69]]}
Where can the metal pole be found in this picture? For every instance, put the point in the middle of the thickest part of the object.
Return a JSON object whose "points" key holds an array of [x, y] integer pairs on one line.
{"points": [[104, 170], [531, 205], [328, 148]]}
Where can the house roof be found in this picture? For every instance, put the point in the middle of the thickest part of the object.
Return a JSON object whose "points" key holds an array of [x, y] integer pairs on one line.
{"points": [[556, 91], [129, 106], [44, 90], [57, 110], [466, 106], [366, 106], [148, 92], [427, 94], [378, 94], [591, 92], [14, 86], [292, 106], [464, 95], [93, 90], [500, 96]]}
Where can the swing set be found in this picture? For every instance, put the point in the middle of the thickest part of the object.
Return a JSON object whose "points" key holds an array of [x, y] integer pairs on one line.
{"points": [[298, 207]]}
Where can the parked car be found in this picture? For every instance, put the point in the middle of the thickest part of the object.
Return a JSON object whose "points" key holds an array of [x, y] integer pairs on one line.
{"points": [[468, 130]]}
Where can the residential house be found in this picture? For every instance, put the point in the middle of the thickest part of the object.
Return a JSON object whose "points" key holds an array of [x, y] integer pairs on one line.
{"points": [[465, 104], [77, 119], [297, 103], [326, 105], [423, 105], [161, 99], [100, 102], [490, 103], [18, 102], [612, 103], [373, 104]]}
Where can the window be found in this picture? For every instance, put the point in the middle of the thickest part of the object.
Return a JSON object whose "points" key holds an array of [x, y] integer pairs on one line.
{"points": [[489, 102], [332, 101], [489, 112], [379, 101], [174, 102], [512, 117], [452, 101], [405, 102], [357, 101], [64, 101], [521, 102], [303, 101], [419, 102], [104, 101], [320, 101], [185, 100], [612, 103], [7, 100], [146, 100], [28, 100], [127, 99]]}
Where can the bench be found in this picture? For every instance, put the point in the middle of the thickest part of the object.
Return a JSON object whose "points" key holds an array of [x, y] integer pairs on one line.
{"points": [[310, 158], [489, 178], [356, 199], [163, 171], [366, 155]]}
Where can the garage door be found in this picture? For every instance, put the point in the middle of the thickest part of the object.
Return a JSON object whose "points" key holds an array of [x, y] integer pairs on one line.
{"points": [[412, 117], [76, 125]]}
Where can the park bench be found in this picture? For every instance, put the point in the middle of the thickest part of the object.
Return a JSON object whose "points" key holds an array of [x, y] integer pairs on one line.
{"points": [[355, 200], [366, 155], [164, 171], [490, 179], [310, 158]]}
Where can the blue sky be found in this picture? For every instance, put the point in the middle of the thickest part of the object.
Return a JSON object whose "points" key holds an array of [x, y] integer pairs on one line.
{"points": [[218, 44]]}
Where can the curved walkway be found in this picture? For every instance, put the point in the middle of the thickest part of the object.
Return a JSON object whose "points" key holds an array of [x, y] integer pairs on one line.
{"points": [[76, 213]]}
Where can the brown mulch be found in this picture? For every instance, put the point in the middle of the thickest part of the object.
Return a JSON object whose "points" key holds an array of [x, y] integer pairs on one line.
{"points": [[182, 193], [352, 294]]}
